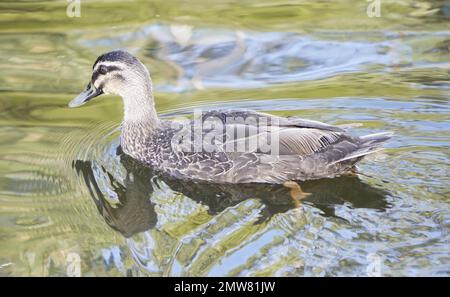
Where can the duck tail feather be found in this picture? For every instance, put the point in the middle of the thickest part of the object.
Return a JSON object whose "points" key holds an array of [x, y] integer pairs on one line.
{"points": [[376, 138], [357, 154], [369, 144]]}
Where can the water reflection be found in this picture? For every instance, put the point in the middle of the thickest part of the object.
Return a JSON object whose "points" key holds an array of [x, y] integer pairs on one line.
{"points": [[204, 58], [134, 201], [389, 73], [135, 213]]}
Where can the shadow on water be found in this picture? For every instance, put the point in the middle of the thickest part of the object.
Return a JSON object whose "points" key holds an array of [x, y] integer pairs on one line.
{"points": [[136, 213]]}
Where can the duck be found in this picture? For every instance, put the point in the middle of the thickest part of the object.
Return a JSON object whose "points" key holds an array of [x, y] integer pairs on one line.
{"points": [[222, 146]]}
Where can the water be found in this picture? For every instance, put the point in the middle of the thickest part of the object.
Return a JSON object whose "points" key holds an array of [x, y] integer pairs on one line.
{"points": [[70, 198]]}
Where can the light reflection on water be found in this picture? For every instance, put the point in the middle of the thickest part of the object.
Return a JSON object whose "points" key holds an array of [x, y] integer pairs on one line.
{"points": [[234, 219], [66, 187]]}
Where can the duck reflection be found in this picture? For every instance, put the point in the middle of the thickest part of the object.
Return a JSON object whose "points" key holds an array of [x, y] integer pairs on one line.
{"points": [[136, 213]]}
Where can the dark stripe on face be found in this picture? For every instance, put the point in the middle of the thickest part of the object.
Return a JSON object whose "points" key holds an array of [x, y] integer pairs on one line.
{"points": [[109, 69], [119, 77]]}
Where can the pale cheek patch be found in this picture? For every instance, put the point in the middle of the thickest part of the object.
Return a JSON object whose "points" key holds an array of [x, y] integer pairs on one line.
{"points": [[114, 84], [99, 82]]}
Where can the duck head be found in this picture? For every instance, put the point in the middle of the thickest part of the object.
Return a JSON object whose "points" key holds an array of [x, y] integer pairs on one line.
{"points": [[120, 73]]}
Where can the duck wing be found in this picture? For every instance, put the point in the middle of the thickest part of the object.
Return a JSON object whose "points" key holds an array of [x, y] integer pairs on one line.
{"points": [[249, 131], [304, 154], [271, 120], [306, 141], [274, 140], [304, 149]]}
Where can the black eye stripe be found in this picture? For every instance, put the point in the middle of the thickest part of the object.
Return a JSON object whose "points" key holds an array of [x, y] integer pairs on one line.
{"points": [[112, 68], [109, 69], [102, 69]]}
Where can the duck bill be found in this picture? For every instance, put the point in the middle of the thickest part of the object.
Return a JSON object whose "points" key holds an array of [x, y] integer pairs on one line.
{"points": [[85, 96]]}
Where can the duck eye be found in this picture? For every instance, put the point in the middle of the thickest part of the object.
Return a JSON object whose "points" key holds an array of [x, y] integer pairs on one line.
{"points": [[102, 70]]}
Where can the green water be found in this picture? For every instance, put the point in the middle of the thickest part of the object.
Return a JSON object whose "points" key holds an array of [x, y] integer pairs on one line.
{"points": [[67, 192]]}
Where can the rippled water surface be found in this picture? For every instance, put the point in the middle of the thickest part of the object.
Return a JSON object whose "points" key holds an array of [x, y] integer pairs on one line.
{"points": [[69, 196]]}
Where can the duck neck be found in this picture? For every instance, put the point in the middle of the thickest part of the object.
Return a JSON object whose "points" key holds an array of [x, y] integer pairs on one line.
{"points": [[140, 115], [140, 120]]}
